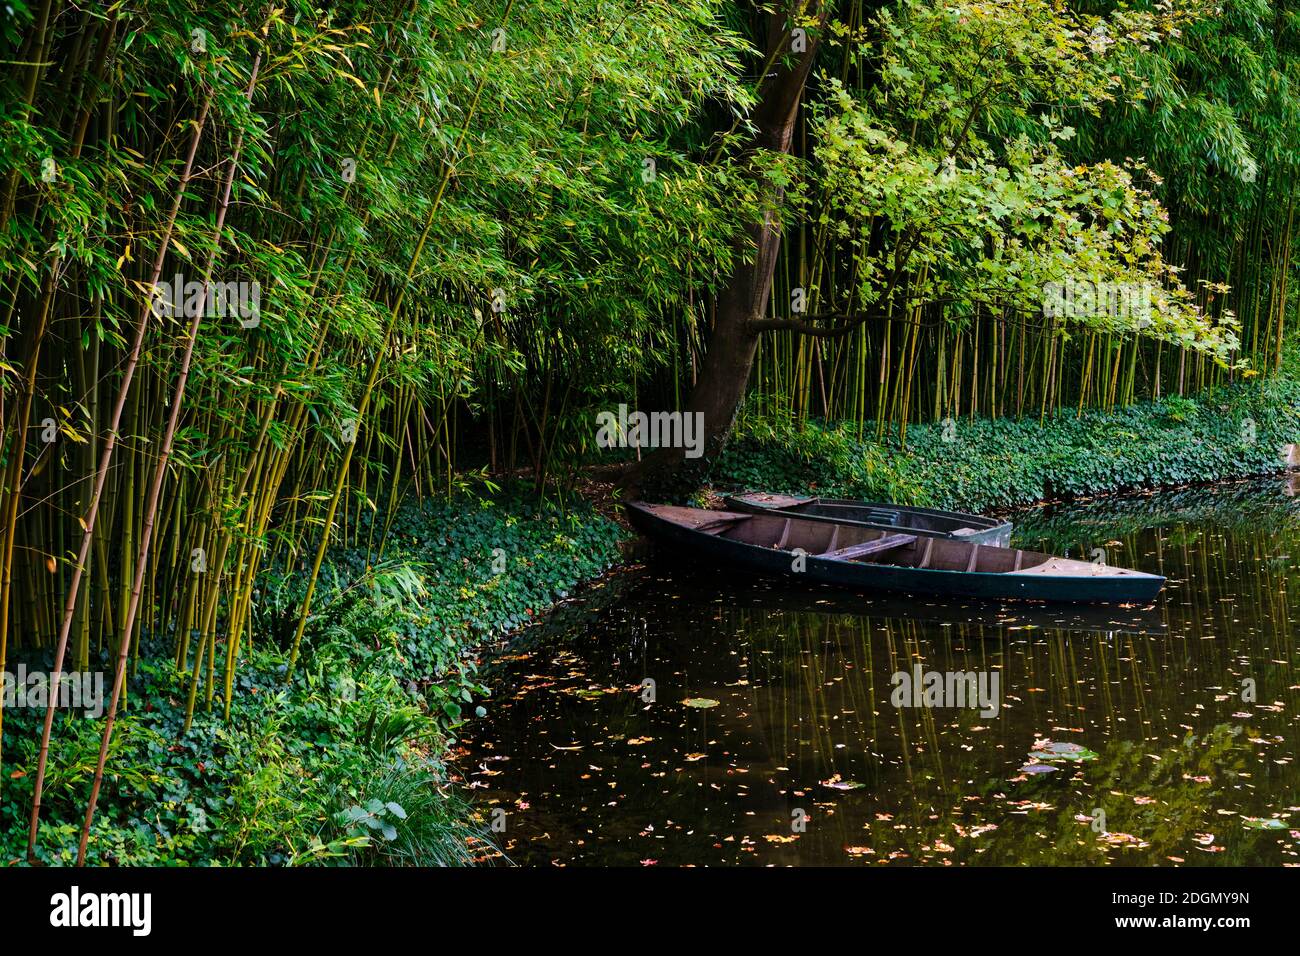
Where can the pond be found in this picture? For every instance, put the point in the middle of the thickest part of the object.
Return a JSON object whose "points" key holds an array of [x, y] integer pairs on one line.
{"points": [[676, 715]]}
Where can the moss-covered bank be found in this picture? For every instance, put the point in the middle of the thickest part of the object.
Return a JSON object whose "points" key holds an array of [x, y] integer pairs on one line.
{"points": [[1230, 432]]}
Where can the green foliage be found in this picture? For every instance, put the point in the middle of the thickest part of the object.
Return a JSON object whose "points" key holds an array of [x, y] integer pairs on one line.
{"points": [[452, 573], [1214, 110], [965, 162], [953, 152], [345, 764], [516, 213], [406, 817], [776, 456], [1229, 432]]}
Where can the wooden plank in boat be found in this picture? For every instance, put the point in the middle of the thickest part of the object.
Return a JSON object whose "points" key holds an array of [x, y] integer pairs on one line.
{"points": [[887, 543], [698, 519]]}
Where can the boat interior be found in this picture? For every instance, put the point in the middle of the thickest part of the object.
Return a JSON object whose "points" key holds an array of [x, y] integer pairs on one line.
{"points": [[843, 542], [874, 513], [891, 516]]}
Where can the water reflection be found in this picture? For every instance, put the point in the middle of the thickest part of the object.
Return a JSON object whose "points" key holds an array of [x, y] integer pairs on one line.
{"points": [[1189, 708]]}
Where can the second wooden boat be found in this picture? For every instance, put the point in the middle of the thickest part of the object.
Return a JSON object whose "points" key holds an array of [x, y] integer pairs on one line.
{"points": [[871, 514], [851, 555]]}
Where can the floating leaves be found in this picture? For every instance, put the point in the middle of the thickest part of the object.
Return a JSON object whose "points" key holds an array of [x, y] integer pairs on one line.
{"points": [[1053, 750], [589, 693], [1263, 823], [1124, 840], [701, 703]]}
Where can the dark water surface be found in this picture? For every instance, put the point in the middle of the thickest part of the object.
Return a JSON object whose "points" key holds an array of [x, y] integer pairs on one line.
{"points": [[805, 759]]}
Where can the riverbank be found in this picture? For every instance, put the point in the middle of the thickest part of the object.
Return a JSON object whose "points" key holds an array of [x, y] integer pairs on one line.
{"points": [[1231, 432], [345, 763]]}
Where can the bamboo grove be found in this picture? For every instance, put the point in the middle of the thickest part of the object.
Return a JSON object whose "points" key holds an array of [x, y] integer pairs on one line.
{"points": [[364, 169], [265, 268], [1209, 112]]}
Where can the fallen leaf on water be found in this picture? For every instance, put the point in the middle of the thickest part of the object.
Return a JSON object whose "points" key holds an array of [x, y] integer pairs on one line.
{"points": [[1263, 823], [1122, 839], [1060, 750], [703, 703]]}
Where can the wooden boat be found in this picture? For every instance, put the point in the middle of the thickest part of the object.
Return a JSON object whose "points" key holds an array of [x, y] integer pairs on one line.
{"points": [[871, 514], [851, 555]]}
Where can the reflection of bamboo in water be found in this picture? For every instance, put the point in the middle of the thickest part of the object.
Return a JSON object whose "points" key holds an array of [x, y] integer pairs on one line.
{"points": [[912, 640], [1113, 687], [896, 663], [1249, 508], [1130, 696], [859, 698]]}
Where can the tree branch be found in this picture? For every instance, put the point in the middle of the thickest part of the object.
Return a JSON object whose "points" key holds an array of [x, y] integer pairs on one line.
{"points": [[850, 321], [805, 326]]}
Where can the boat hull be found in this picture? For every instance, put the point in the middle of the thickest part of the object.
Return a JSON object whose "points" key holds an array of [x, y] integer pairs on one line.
{"points": [[1134, 588]]}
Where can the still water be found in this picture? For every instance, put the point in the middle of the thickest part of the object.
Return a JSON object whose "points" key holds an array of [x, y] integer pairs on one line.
{"points": [[1139, 736]]}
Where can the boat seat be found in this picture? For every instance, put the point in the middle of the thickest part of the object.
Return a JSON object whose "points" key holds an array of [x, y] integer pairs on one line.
{"points": [[886, 543]]}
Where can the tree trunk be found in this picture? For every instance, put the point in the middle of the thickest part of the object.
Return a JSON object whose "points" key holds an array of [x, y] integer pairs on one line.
{"points": [[733, 342]]}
